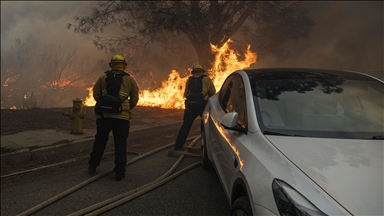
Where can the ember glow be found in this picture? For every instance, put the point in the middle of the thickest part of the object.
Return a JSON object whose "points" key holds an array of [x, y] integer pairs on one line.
{"points": [[10, 80], [62, 83], [170, 94]]}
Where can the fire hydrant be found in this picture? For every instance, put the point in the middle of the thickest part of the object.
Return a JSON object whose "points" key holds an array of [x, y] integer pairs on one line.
{"points": [[77, 114]]}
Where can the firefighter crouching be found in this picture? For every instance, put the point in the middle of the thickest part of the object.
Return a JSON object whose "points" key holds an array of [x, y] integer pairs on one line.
{"points": [[77, 114]]}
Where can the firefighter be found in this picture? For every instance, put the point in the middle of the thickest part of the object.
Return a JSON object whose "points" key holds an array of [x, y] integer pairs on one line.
{"points": [[198, 89], [118, 122]]}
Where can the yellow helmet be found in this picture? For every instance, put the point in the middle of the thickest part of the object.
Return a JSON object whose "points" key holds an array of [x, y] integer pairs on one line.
{"points": [[197, 68], [117, 59]]}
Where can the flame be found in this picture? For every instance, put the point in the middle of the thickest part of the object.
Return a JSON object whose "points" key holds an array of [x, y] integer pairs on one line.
{"points": [[170, 94], [89, 100], [59, 83], [10, 80], [226, 62]]}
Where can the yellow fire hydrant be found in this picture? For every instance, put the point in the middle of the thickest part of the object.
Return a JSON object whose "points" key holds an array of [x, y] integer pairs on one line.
{"points": [[77, 114]]}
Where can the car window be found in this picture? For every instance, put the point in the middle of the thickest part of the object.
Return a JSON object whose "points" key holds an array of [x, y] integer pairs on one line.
{"points": [[232, 98], [319, 104]]}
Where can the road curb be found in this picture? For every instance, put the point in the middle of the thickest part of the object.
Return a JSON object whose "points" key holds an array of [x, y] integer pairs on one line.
{"points": [[26, 155]]}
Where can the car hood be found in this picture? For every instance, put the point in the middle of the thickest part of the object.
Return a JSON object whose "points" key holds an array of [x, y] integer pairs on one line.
{"points": [[349, 170]]}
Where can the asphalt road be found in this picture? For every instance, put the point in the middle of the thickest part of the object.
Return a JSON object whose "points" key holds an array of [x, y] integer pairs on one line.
{"points": [[196, 192]]}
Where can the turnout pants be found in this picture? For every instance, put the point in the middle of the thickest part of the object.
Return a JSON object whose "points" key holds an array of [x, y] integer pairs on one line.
{"points": [[120, 131], [189, 117]]}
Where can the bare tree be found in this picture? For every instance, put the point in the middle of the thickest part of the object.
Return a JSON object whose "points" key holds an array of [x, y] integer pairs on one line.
{"points": [[64, 73], [202, 22], [16, 66], [31, 70], [89, 69]]}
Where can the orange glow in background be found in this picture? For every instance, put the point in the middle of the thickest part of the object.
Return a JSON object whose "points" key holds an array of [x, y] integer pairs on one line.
{"points": [[170, 94]]}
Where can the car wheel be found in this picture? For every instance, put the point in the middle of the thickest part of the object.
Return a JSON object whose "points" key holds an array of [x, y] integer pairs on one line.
{"points": [[241, 207], [205, 163]]}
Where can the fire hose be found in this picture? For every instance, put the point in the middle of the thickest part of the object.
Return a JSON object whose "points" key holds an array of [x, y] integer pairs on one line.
{"points": [[58, 164], [122, 198]]}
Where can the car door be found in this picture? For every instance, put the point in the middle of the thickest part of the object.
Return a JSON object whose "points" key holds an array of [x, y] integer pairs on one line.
{"points": [[225, 153]]}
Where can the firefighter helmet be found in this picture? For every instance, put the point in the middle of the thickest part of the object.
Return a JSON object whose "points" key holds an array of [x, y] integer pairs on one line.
{"points": [[118, 59], [197, 68]]}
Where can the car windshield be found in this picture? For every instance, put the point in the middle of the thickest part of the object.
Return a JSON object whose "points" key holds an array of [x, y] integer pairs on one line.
{"points": [[325, 104]]}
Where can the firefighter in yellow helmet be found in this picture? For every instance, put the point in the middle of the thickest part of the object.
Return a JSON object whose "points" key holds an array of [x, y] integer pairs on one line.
{"points": [[116, 94], [198, 89]]}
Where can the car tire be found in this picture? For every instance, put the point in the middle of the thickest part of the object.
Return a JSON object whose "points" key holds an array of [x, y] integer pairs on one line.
{"points": [[241, 206], [205, 163]]}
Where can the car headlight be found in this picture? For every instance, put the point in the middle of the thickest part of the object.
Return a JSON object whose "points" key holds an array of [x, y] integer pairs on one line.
{"points": [[290, 202]]}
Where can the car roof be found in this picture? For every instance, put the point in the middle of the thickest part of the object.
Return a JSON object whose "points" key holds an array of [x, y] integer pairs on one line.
{"points": [[270, 73]]}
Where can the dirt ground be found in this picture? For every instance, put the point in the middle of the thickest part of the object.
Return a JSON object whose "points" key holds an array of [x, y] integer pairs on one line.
{"points": [[15, 121]]}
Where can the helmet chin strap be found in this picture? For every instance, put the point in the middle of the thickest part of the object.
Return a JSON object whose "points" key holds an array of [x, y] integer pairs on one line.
{"points": [[117, 66], [119, 62]]}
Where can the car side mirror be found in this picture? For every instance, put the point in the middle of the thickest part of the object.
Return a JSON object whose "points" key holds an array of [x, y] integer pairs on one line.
{"points": [[229, 122]]}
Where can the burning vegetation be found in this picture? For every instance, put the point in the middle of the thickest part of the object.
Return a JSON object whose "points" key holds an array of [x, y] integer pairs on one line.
{"points": [[170, 94]]}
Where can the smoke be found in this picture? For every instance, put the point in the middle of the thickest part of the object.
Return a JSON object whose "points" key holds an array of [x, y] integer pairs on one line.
{"points": [[40, 27], [348, 35], [45, 20]]}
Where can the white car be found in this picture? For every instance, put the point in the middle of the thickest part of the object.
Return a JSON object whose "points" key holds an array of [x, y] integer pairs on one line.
{"points": [[295, 141]]}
